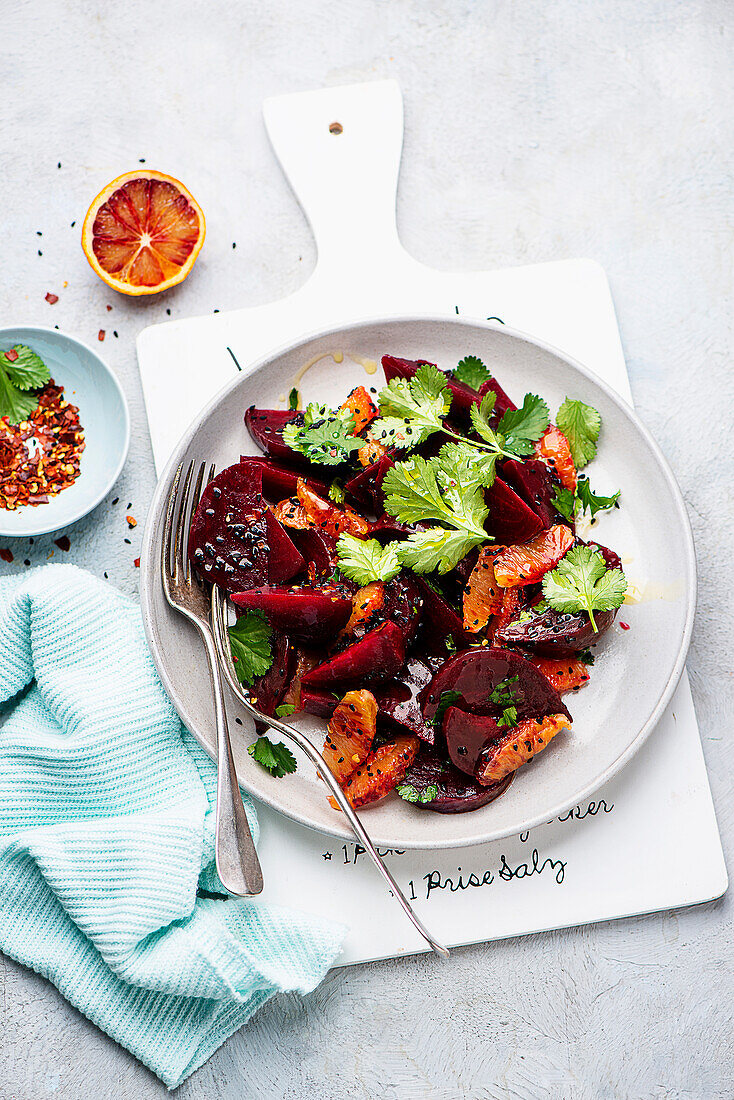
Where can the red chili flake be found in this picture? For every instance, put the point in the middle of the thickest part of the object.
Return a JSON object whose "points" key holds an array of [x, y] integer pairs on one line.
{"points": [[131, 521], [11, 355], [109, 309], [40, 456], [100, 335], [6, 555], [52, 299], [63, 543], [136, 563], [625, 626]]}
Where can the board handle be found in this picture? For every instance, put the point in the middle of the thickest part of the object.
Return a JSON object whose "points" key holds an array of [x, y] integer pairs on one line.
{"points": [[340, 149]]}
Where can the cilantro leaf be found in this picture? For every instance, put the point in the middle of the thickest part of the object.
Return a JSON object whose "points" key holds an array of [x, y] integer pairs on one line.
{"points": [[411, 409], [480, 415], [581, 425], [582, 582], [326, 435], [437, 549], [294, 398], [419, 491], [14, 404], [27, 370], [464, 468], [524, 426], [285, 710], [508, 718], [564, 501], [277, 759], [584, 499], [471, 371], [249, 640], [366, 560], [411, 794], [593, 502]]}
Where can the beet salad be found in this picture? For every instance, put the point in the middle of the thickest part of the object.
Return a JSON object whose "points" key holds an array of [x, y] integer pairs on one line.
{"points": [[406, 566]]}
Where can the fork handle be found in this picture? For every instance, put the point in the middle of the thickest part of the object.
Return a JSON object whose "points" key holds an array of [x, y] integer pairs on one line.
{"points": [[237, 864]]}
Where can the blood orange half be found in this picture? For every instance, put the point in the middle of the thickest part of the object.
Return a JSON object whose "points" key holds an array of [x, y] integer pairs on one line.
{"points": [[143, 232]]}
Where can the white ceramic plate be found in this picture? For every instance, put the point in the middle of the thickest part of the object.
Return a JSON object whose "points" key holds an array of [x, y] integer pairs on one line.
{"points": [[636, 670], [90, 385]]}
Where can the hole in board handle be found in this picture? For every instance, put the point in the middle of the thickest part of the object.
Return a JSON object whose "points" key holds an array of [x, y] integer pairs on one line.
{"points": [[336, 128]]}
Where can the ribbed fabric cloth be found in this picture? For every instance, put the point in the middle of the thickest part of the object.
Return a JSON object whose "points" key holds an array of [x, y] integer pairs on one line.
{"points": [[107, 833]]}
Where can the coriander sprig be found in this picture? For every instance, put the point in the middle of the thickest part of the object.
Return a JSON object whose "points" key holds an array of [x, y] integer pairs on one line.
{"points": [[325, 435], [412, 409], [423, 490], [249, 640], [582, 582], [366, 560]]}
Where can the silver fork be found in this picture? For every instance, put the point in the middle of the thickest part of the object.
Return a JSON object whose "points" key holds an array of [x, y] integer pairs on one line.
{"points": [[237, 864], [219, 624]]}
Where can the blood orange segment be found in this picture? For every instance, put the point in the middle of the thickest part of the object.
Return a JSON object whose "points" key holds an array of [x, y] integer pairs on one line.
{"points": [[562, 675], [365, 602], [330, 519], [292, 514], [350, 733], [555, 450], [519, 746], [482, 595], [361, 406], [143, 232], [381, 771], [527, 562], [370, 453]]}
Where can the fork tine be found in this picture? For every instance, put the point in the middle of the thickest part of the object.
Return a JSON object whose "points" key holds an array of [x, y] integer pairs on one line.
{"points": [[195, 498], [180, 540], [166, 542]]}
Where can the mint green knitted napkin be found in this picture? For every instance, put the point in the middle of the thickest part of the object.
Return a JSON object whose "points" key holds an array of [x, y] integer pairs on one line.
{"points": [[107, 837]]}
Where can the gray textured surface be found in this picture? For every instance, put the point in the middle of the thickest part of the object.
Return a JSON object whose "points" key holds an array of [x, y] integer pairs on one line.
{"points": [[533, 132]]}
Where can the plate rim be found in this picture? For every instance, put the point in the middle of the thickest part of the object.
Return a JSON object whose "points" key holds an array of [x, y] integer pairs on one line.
{"points": [[85, 509], [148, 558]]}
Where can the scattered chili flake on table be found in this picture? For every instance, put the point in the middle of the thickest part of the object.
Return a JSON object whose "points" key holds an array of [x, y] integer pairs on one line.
{"points": [[101, 335], [64, 543], [136, 563], [6, 555], [40, 456], [131, 521], [52, 299]]}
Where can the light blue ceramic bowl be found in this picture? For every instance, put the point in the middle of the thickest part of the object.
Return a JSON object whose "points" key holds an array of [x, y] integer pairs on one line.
{"points": [[90, 384]]}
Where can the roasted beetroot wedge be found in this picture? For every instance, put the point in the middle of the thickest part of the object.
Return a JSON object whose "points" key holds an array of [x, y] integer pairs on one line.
{"points": [[308, 614], [284, 560], [453, 791], [467, 736], [366, 486], [462, 396], [555, 633], [266, 428], [379, 655], [228, 539], [510, 519], [318, 548], [280, 482], [269, 690], [534, 482], [440, 621], [476, 674]]}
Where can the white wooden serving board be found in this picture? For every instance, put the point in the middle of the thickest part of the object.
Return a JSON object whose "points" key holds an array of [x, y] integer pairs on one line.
{"points": [[648, 841]]}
